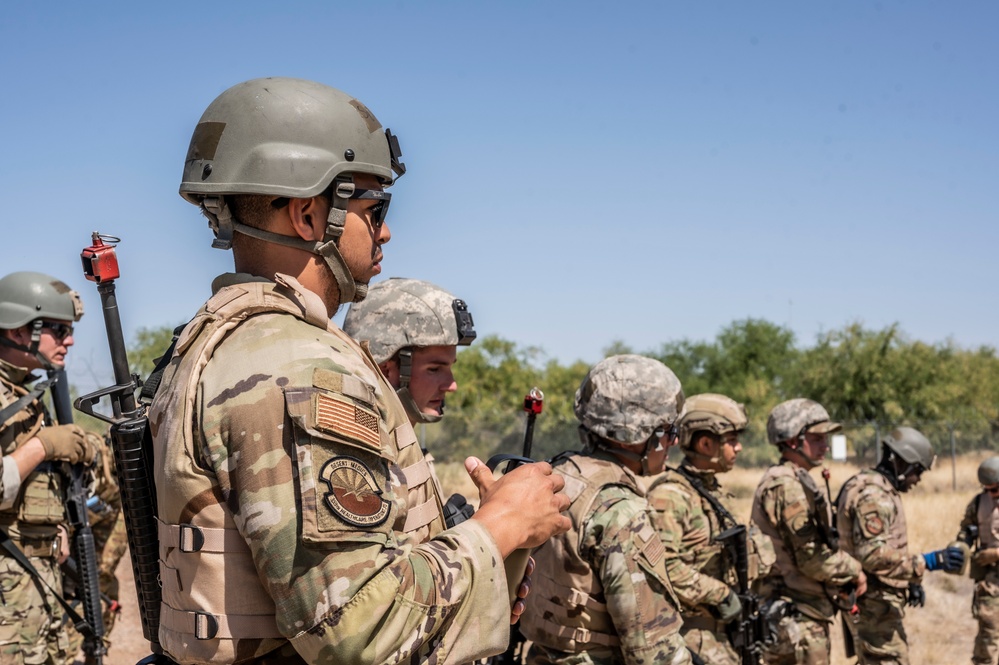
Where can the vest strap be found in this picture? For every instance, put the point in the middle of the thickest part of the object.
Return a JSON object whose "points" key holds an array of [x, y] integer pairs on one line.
{"points": [[582, 636], [205, 626], [191, 538], [417, 474], [421, 515]]}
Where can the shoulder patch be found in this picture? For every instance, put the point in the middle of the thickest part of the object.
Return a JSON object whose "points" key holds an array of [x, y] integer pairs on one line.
{"points": [[354, 495], [873, 524], [343, 416]]}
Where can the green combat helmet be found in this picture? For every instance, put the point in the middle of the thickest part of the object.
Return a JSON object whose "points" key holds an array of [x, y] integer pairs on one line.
{"points": [[400, 314], [988, 472], [911, 446], [710, 412], [288, 138], [630, 399], [31, 298]]}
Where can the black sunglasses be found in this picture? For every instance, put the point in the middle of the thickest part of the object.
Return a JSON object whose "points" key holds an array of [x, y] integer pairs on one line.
{"points": [[378, 212], [59, 330]]}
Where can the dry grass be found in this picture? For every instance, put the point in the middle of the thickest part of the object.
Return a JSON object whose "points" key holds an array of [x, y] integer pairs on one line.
{"points": [[940, 633]]}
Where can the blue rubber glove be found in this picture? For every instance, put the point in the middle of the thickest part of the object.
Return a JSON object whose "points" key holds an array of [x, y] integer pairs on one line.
{"points": [[949, 560]]}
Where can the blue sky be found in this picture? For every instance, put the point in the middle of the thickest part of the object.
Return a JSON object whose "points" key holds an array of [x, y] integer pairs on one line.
{"points": [[579, 172]]}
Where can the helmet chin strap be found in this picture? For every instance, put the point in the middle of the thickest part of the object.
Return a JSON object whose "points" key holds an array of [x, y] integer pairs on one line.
{"points": [[36, 338], [811, 461], [406, 397], [652, 444], [225, 226]]}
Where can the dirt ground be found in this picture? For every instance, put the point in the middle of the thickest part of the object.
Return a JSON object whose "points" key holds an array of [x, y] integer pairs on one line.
{"points": [[941, 633]]}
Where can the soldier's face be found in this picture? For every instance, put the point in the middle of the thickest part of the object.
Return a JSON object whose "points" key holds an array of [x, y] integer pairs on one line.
{"points": [[729, 448], [362, 239], [911, 479], [432, 377], [815, 445], [56, 338]]}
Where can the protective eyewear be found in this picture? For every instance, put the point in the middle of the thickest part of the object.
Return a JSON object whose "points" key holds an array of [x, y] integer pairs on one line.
{"points": [[670, 432], [379, 210], [59, 330], [992, 490]]}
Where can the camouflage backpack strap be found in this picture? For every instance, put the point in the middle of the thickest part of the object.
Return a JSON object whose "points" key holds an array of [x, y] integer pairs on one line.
{"points": [[724, 516]]}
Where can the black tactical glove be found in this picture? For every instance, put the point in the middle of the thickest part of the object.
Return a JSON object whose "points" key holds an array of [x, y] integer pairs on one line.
{"points": [[730, 608], [917, 595], [949, 560]]}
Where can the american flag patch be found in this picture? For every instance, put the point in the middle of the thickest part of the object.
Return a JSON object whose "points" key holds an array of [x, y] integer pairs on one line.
{"points": [[345, 418]]}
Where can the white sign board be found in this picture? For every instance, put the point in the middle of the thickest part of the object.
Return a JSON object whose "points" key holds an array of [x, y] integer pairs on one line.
{"points": [[839, 447]]}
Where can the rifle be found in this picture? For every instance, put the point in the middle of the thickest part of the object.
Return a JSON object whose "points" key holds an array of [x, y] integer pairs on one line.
{"points": [[131, 444], [747, 633], [516, 563], [84, 554], [845, 598]]}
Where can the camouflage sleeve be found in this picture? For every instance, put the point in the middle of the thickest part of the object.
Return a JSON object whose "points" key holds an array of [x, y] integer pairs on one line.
{"points": [[970, 519], [10, 482], [624, 550], [684, 530], [316, 500], [871, 523], [800, 532]]}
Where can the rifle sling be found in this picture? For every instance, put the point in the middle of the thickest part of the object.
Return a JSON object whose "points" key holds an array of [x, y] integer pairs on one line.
{"points": [[24, 401], [79, 622], [695, 482]]}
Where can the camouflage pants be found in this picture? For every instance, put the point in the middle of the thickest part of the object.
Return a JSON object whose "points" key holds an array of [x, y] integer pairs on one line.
{"points": [[878, 633], [800, 640], [539, 655], [985, 608], [713, 647], [31, 629]]}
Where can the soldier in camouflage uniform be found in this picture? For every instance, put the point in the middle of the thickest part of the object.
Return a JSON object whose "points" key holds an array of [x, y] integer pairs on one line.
{"points": [[810, 571], [37, 313], [701, 571], [300, 522], [980, 528], [872, 529], [413, 330], [600, 592]]}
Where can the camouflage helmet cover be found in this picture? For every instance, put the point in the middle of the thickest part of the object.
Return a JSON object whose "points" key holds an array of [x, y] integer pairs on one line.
{"points": [[27, 296], [713, 413], [282, 137], [794, 417], [400, 313], [911, 446], [626, 398], [988, 471]]}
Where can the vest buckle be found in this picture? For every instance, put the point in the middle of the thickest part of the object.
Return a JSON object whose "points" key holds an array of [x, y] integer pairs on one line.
{"points": [[192, 538], [206, 626]]}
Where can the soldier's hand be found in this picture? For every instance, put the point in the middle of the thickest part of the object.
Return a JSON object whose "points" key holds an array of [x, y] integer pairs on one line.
{"points": [[987, 556], [917, 595], [861, 583], [730, 608], [949, 559], [523, 591], [521, 509], [67, 443]]}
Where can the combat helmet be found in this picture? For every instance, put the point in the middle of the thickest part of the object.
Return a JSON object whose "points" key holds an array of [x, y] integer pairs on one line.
{"points": [[400, 314], [988, 472], [710, 412], [31, 298], [911, 446], [628, 398], [793, 418], [288, 138]]}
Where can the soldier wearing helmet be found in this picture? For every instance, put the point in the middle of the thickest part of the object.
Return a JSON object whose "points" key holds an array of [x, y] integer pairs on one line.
{"points": [[37, 313], [691, 510], [600, 592], [872, 528], [806, 583], [980, 530], [413, 330], [301, 521]]}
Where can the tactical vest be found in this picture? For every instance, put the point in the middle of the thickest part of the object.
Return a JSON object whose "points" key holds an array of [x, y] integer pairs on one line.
{"points": [[566, 606], [795, 582], [32, 519], [988, 521], [896, 538], [215, 609]]}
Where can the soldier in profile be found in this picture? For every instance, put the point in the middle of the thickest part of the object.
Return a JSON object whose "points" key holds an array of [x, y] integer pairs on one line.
{"points": [[872, 528], [808, 579]]}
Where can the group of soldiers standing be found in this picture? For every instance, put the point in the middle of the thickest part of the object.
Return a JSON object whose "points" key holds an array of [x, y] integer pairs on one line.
{"points": [[300, 519]]}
